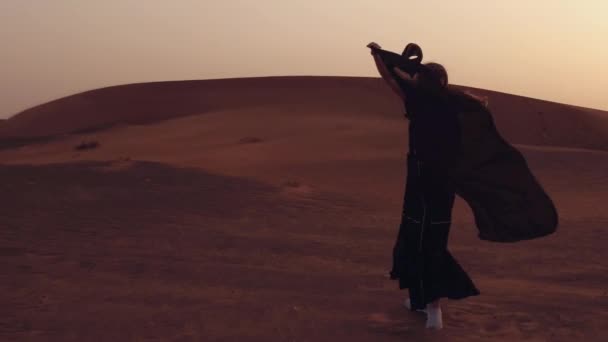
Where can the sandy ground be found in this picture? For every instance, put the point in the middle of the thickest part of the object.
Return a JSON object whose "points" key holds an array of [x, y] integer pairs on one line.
{"points": [[272, 222]]}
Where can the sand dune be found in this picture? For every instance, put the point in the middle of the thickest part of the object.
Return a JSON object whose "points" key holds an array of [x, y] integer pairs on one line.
{"points": [[149, 102], [272, 218], [521, 120]]}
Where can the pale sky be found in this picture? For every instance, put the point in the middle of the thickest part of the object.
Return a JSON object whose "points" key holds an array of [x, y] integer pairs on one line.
{"points": [[550, 49]]}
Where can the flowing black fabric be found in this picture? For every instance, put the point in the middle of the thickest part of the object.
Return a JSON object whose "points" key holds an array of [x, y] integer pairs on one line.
{"points": [[403, 61], [456, 134], [493, 177], [460, 140]]}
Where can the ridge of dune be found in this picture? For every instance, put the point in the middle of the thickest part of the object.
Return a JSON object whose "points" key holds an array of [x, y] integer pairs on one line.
{"points": [[149, 102], [521, 120]]}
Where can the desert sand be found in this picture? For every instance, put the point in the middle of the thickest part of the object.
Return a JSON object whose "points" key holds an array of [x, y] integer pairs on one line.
{"points": [[265, 209]]}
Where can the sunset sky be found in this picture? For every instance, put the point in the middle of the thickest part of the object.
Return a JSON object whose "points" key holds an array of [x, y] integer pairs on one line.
{"points": [[550, 49]]}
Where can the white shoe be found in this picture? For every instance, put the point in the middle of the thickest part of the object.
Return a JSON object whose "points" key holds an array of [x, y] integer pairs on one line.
{"points": [[434, 319], [408, 305]]}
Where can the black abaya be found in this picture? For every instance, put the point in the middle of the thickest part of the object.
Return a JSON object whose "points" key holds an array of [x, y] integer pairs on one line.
{"points": [[421, 260], [455, 148]]}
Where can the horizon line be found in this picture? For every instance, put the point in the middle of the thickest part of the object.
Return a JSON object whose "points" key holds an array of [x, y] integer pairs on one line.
{"points": [[292, 76]]}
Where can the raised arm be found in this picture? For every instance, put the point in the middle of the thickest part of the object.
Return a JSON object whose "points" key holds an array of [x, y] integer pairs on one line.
{"points": [[387, 76], [384, 72]]}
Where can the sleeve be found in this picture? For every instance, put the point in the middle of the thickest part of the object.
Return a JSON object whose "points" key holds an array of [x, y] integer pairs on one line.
{"points": [[391, 60]]}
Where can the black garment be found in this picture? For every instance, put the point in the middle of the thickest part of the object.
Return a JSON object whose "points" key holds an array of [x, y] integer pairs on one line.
{"points": [[408, 61], [462, 143], [421, 260], [508, 202], [455, 148], [457, 135]]}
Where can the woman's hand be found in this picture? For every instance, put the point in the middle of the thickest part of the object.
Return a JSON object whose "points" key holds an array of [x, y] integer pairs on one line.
{"points": [[373, 46]]}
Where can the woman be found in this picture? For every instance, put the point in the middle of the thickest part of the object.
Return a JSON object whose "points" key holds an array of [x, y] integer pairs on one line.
{"points": [[421, 260]]}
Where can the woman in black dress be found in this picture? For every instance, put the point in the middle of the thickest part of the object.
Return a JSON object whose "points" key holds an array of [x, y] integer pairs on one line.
{"points": [[421, 260]]}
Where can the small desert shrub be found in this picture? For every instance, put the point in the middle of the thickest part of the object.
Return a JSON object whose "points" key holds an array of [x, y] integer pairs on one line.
{"points": [[86, 145]]}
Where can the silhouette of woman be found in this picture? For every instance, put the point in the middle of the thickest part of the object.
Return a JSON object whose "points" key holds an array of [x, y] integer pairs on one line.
{"points": [[421, 260], [455, 148]]}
